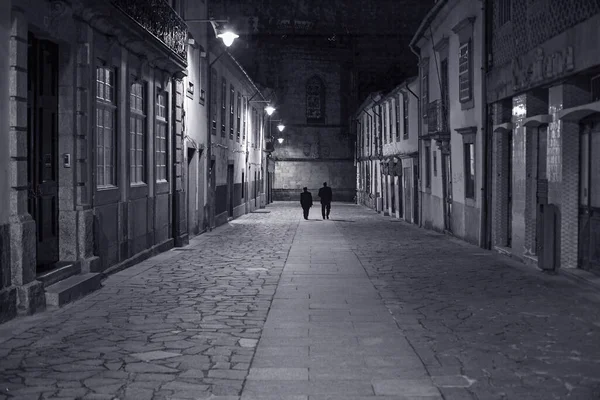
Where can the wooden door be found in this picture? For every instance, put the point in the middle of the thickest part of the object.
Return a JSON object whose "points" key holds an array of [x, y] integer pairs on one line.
{"points": [[42, 134]]}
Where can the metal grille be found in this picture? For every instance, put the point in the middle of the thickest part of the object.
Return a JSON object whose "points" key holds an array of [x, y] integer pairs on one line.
{"points": [[533, 22], [160, 20]]}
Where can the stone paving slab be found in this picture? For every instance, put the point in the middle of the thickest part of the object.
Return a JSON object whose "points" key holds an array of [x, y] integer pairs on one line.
{"points": [[273, 307]]}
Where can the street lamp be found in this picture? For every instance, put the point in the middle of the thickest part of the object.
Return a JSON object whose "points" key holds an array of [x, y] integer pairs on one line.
{"points": [[281, 127], [270, 110], [220, 30]]}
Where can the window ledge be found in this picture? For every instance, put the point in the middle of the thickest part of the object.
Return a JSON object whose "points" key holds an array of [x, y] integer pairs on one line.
{"points": [[106, 188]]}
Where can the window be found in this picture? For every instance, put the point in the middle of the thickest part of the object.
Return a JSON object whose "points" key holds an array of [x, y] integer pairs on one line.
{"points": [[434, 162], [469, 152], [223, 105], [231, 111], [315, 100], [245, 118], [385, 125], [161, 137], [105, 127], [137, 133], [424, 89], [213, 100], [254, 125], [202, 79], [427, 166], [405, 115], [504, 11], [397, 113], [464, 72], [239, 115]]}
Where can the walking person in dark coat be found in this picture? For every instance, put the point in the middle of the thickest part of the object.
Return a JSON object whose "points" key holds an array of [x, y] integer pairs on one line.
{"points": [[306, 202], [326, 196]]}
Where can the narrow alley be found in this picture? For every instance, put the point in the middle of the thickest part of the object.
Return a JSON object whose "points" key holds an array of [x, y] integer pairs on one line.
{"points": [[270, 306]]}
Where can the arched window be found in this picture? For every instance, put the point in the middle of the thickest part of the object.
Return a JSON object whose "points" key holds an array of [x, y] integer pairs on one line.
{"points": [[315, 100]]}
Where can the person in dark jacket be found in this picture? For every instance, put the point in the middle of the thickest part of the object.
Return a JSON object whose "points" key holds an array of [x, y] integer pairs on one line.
{"points": [[306, 202], [326, 196]]}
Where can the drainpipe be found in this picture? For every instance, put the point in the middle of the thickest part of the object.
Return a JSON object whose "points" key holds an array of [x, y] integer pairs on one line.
{"points": [[420, 125], [484, 231]]}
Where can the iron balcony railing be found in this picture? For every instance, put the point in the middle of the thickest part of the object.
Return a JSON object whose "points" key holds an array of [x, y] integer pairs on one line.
{"points": [[437, 118], [160, 20]]}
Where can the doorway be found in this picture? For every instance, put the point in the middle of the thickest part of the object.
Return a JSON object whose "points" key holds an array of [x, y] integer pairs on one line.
{"points": [[589, 196], [230, 190], [42, 141], [509, 194], [541, 197], [192, 191], [447, 187]]}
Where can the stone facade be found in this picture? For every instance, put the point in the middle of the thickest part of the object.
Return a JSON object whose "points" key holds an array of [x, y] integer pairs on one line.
{"points": [[544, 198], [450, 42], [313, 101], [387, 147], [126, 172]]}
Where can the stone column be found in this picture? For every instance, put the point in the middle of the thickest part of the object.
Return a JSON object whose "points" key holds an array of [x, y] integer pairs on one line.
{"points": [[22, 226], [82, 151], [8, 293]]}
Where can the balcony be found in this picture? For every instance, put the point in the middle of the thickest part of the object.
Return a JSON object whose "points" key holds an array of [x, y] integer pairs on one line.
{"points": [[437, 120], [158, 19]]}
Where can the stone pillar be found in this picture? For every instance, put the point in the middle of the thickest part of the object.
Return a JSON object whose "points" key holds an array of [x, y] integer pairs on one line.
{"points": [[83, 212], [8, 293], [536, 103], [22, 226]]}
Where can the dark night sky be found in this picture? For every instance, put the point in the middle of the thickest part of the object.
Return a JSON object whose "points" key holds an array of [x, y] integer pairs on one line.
{"points": [[382, 29]]}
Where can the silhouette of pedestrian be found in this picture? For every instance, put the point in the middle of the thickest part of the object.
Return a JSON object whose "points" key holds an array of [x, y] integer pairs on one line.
{"points": [[326, 196], [306, 202]]}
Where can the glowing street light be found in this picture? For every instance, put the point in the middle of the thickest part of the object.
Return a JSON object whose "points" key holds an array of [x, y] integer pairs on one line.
{"points": [[228, 37], [280, 140], [270, 110], [281, 127]]}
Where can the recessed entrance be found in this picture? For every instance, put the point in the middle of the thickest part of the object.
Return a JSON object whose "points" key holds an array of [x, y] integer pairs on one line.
{"points": [[42, 135], [589, 196]]}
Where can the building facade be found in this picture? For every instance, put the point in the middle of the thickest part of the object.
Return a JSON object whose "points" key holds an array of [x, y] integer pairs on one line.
{"points": [[237, 126], [450, 45], [369, 152], [108, 156], [387, 152], [543, 90]]}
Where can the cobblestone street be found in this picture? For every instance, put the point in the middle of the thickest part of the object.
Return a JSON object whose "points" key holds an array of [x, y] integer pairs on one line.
{"points": [[357, 307]]}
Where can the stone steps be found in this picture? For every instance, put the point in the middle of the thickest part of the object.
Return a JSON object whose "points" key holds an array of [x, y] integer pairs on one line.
{"points": [[58, 274], [71, 289]]}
